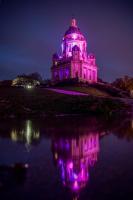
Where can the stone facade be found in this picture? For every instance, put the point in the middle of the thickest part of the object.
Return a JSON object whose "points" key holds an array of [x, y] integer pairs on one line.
{"points": [[74, 61]]}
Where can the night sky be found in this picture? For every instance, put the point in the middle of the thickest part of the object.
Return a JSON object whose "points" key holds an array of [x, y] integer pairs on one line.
{"points": [[32, 30]]}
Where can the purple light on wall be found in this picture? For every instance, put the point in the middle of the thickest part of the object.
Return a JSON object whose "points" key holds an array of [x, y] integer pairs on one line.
{"points": [[74, 36], [75, 185], [61, 74], [66, 73], [60, 161], [70, 165], [75, 176]]}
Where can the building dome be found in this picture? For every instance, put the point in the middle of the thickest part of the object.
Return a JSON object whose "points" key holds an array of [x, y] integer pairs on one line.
{"points": [[73, 30]]}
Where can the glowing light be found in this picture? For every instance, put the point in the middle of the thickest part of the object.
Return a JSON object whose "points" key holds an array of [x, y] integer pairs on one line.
{"points": [[75, 185], [56, 156], [70, 165], [29, 86], [26, 165], [75, 176], [74, 36], [36, 135], [14, 135], [28, 131], [60, 161], [74, 44]]}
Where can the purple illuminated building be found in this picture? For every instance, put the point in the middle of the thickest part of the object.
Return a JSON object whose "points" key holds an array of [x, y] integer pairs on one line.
{"points": [[74, 61], [74, 157]]}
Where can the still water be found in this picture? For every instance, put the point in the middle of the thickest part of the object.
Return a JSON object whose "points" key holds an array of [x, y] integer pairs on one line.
{"points": [[66, 158]]}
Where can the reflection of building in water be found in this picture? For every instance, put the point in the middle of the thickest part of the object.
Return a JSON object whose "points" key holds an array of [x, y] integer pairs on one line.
{"points": [[26, 134], [74, 157]]}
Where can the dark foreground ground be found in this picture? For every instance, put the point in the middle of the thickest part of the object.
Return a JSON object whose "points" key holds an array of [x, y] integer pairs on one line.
{"points": [[21, 102]]}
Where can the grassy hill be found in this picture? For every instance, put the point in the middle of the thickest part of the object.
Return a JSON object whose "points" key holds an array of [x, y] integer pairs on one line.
{"points": [[97, 90], [20, 102], [87, 90]]}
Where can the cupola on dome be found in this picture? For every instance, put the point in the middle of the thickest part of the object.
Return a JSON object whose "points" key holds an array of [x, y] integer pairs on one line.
{"points": [[73, 30]]}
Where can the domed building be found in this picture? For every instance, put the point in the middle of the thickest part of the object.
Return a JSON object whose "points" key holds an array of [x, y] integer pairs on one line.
{"points": [[74, 61]]}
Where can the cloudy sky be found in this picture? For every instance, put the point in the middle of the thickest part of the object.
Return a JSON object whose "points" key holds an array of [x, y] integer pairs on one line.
{"points": [[32, 30]]}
